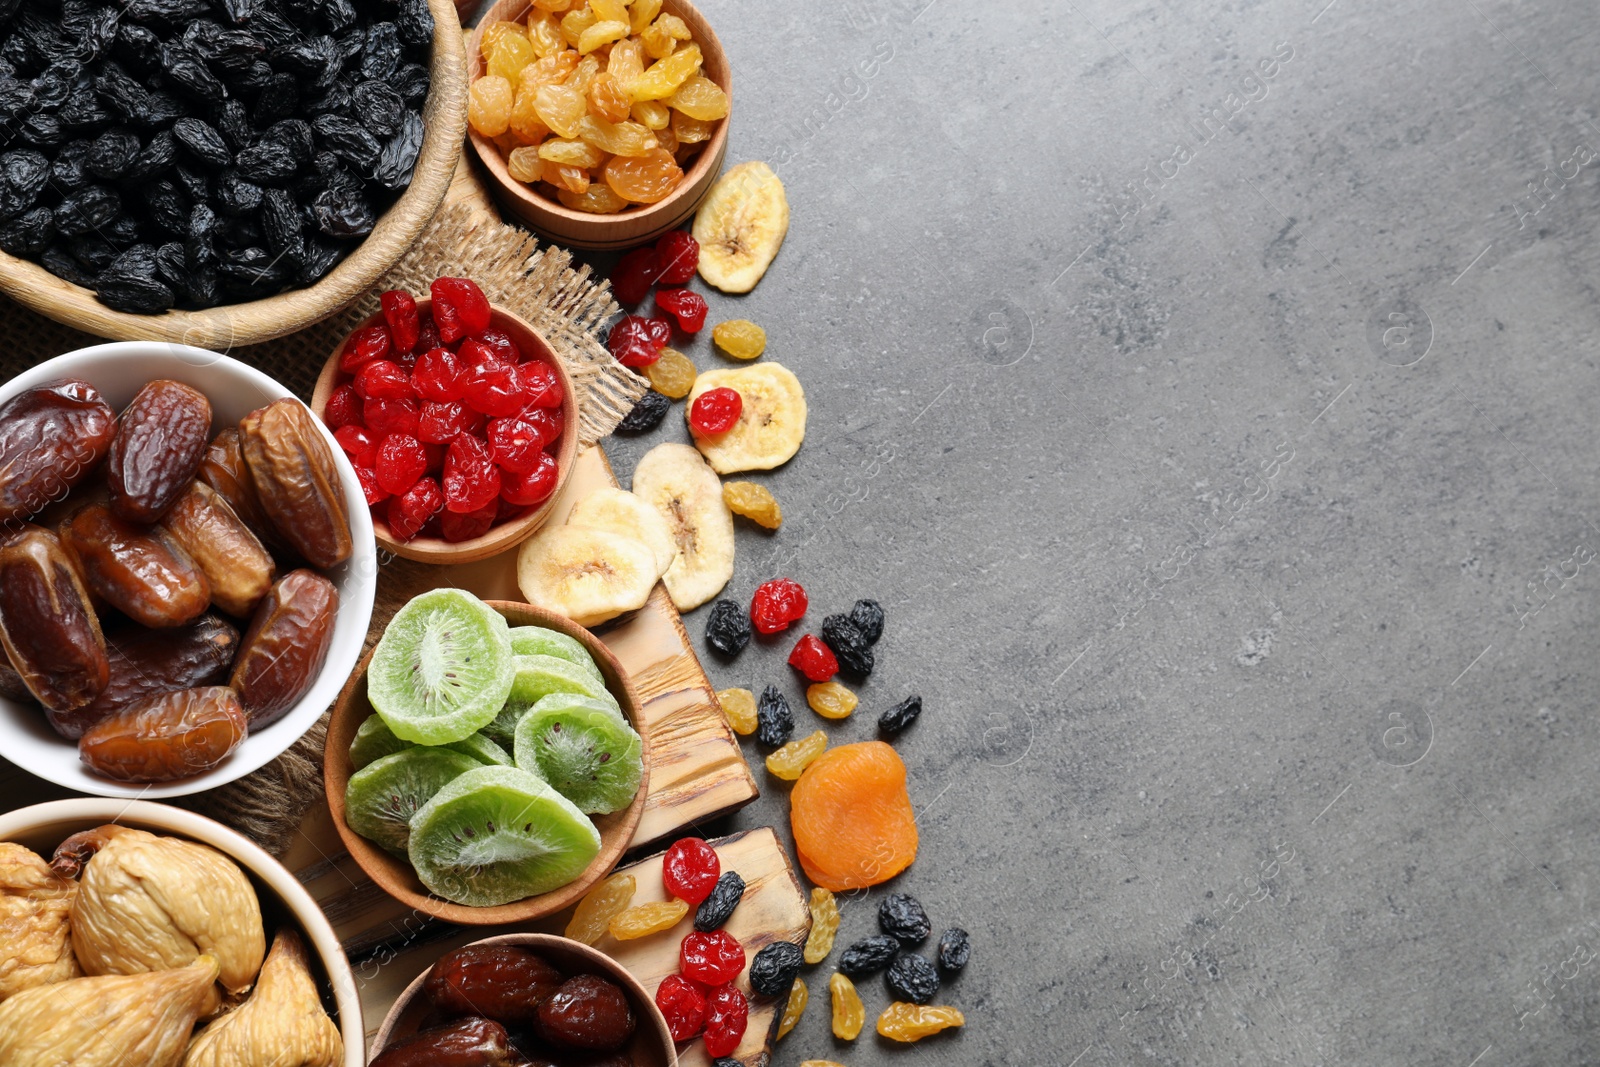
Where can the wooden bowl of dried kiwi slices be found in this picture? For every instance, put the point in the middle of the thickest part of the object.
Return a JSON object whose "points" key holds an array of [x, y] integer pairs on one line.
{"points": [[596, 217]]}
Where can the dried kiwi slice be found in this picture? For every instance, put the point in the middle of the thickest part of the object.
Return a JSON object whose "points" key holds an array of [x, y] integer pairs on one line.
{"points": [[381, 797], [588, 754], [374, 740], [539, 641], [442, 669], [539, 676], [498, 834]]}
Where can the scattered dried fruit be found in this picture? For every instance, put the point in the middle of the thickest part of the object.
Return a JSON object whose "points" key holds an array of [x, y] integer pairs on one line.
{"points": [[901, 715], [754, 502], [849, 1014], [774, 969], [776, 604], [911, 977], [646, 919], [646, 414], [672, 374], [727, 1015], [727, 628], [868, 618], [831, 700], [714, 411], [739, 705], [599, 906], [683, 1004], [719, 907], [690, 869], [824, 925], [790, 761], [849, 643], [911, 1022], [740, 338], [955, 949], [869, 955], [740, 226], [774, 720], [771, 422], [710, 957], [852, 819], [793, 1008], [813, 659]]}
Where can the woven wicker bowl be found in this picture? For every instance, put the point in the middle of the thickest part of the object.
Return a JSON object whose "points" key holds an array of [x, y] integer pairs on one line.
{"points": [[222, 328], [637, 224]]}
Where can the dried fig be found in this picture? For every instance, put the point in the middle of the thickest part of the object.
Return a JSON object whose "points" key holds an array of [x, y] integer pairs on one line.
{"points": [[285, 646], [166, 737], [281, 1025], [223, 468], [297, 481], [148, 903], [49, 629], [234, 561], [117, 1021], [35, 942], [51, 437], [503, 982], [160, 440], [145, 663], [140, 570], [464, 1043]]}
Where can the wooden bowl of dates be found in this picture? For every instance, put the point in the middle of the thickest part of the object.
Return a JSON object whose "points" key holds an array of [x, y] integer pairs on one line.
{"points": [[443, 125], [504, 534], [637, 223], [651, 1044], [119, 372], [284, 901]]}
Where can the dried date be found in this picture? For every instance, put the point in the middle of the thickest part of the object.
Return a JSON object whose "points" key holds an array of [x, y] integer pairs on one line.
{"points": [[141, 571], [48, 626], [503, 982], [157, 450], [284, 647], [174, 735], [234, 561], [146, 663], [587, 1013], [296, 481], [223, 468], [473, 1042], [51, 437]]}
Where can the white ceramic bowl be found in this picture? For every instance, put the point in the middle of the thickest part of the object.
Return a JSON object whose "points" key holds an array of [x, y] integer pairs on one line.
{"points": [[42, 827], [119, 371]]}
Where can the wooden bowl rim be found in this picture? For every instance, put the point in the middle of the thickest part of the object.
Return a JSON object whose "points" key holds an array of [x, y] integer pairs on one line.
{"points": [[645, 1004], [637, 216], [396, 877], [505, 535], [230, 325]]}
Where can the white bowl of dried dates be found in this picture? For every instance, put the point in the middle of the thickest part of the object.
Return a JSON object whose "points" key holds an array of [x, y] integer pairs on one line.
{"points": [[187, 569]]}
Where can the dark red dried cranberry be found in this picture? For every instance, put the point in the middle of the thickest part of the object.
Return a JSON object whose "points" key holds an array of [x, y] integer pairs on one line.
{"points": [[400, 312], [690, 869], [813, 659], [715, 411], [677, 256]]}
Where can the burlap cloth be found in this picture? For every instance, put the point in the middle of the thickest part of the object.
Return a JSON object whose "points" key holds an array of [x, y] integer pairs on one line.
{"points": [[563, 302]]}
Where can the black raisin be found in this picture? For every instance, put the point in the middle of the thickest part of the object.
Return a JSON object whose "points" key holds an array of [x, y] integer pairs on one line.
{"points": [[309, 58], [254, 78], [901, 715], [334, 99], [726, 1061], [728, 627], [382, 55], [204, 288], [774, 968], [59, 261], [51, 88], [716, 909], [189, 72], [901, 916], [171, 12], [412, 82], [233, 122], [398, 159], [774, 720], [912, 978], [235, 195], [296, 135], [279, 99], [849, 644], [955, 949], [239, 11], [119, 91], [43, 130], [282, 224], [172, 266], [229, 49], [87, 209], [92, 250], [869, 955], [23, 176], [137, 293], [83, 113], [138, 47], [155, 158], [346, 140], [122, 231], [113, 152], [416, 23], [320, 256], [268, 160], [161, 110], [193, 181], [338, 14], [28, 233], [646, 414], [378, 108], [199, 248], [868, 617], [167, 206], [203, 142], [251, 268], [341, 213]]}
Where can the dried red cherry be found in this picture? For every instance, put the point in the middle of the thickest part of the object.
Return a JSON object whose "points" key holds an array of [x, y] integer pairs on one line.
{"points": [[677, 257], [813, 659], [365, 345], [500, 342], [684, 1005], [383, 379], [438, 375], [410, 512], [689, 308], [541, 387], [369, 486], [384, 417], [400, 462], [727, 1014], [517, 441], [493, 388], [359, 444], [439, 422], [455, 527], [633, 275], [471, 480], [400, 312], [776, 604], [459, 307], [715, 411], [343, 407], [690, 869], [534, 487], [711, 958]]}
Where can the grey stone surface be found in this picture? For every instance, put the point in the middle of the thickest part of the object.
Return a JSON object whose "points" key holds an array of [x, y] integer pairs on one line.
{"points": [[1247, 739]]}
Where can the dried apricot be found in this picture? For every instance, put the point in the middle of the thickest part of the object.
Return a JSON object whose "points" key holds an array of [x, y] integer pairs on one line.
{"points": [[602, 904], [852, 819], [849, 1014], [824, 925], [912, 1022], [740, 338], [647, 919], [790, 761], [672, 375], [831, 700], [793, 1008], [754, 502], [739, 705]]}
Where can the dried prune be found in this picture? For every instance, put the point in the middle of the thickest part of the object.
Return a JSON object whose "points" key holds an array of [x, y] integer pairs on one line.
{"points": [[174, 735], [849, 644], [728, 627], [145, 663], [51, 437], [718, 908], [774, 720], [160, 441], [503, 982], [955, 949], [234, 561], [296, 481], [646, 414], [285, 646], [901, 715], [586, 1013], [912, 978], [901, 916], [474, 1042], [868, 617], [869, 955], [774, 968], [48, 628], [141, 571]]}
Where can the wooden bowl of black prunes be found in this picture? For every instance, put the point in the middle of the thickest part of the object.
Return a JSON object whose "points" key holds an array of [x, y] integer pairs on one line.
{"points": [[215, 172]]}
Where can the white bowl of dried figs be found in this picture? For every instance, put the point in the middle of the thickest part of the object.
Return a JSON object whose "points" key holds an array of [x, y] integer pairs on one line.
{"points": [[187, 569], [141, 926]]}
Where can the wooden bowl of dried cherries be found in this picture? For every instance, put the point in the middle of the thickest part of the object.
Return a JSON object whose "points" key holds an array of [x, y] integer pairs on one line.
{"points": [[460, 420]]}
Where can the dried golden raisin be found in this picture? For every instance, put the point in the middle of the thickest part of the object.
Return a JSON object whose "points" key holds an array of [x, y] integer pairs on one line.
{"points": [[608, 99], [602, 904], [512, 52], [662, 78], [643, 179], [583, 75], [599, 200], [560, 107], [495, 32], [739, 705], [668, 141], [913, 1022], [526, 125], [790, 761], [625, 63], [824, 925], [553, 6], [641, 12], [545, 35], [700, 98], [524, 164], [831, 700], [551, 70], [489, 106], [571, 153], [691, 131], [610, 10], [653, 115], [573, 23], [754, 502], [740, 338], [618, 138], [647, 919], [566, 177], [662, 37], [849, 1014], [793, 1008], [672, 375], [601, 33]]}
